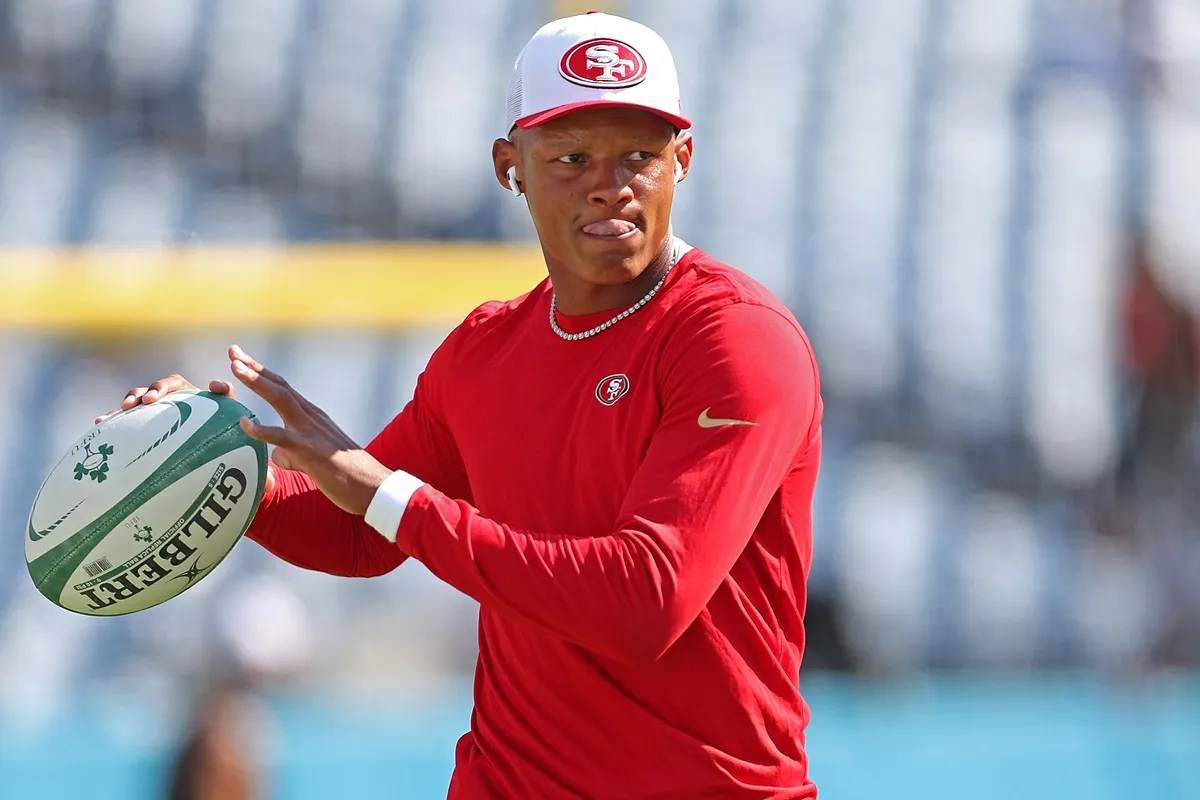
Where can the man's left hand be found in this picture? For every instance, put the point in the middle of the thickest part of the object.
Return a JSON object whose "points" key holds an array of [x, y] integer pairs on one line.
{"points": [[309, 441]]}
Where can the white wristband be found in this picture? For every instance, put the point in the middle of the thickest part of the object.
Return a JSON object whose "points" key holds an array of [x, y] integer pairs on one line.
{"points": [[390, 500]]}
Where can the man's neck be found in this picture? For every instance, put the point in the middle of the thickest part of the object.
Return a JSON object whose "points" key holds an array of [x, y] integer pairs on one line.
{"points": [[575, 297]]}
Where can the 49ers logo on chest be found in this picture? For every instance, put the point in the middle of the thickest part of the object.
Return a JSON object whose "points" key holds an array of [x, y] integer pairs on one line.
{"points": [[612, 389], [603, 64]]}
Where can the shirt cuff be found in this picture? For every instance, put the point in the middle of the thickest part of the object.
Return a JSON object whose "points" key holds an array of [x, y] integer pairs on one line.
{"points": [[389, 502]]}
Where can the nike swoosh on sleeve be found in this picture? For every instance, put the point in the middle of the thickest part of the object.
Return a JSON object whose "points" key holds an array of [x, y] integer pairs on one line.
{"points": [[713, 422]]}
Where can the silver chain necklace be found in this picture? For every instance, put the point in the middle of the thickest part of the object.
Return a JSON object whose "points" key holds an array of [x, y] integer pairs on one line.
{"points": [[678, 249]]}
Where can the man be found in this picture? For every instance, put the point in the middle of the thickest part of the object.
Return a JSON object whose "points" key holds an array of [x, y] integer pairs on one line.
{"points": [[618, 466]]}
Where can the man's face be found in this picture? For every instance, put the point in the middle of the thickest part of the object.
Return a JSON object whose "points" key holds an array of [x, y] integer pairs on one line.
{"points": [[599, 183]]}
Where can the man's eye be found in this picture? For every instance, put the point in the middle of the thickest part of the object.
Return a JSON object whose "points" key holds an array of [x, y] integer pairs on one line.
{"points": [[573, 158], [641, 155]]}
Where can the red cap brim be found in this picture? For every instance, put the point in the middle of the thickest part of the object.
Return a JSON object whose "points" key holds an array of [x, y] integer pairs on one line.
{"points": [[534, 120]]}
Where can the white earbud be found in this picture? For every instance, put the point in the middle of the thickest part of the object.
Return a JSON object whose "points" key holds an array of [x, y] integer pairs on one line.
{"points": [[512, 182], [678, 172]]}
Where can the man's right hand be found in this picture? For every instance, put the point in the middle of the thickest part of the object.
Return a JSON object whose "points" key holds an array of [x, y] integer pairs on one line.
{"points": [[177, 383], [161, 388]]}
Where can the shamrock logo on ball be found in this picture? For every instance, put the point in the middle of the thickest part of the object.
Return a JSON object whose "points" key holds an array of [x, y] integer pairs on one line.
{"points": [[94, 465]]}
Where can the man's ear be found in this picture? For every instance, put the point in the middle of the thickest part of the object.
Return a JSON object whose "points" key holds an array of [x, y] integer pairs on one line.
{"points": [[683, 154], [505, 161]]}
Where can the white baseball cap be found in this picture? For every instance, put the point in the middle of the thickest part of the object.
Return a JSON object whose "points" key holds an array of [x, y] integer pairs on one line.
{"points": [[593, 60]]}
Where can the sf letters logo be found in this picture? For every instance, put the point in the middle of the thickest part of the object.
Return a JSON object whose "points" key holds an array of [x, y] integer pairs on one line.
{"points": [[607, 59], [603, 64], [612, 389]]}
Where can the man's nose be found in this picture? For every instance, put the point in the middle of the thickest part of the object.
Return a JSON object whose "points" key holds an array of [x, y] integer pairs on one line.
{"points": [[610, 186]]}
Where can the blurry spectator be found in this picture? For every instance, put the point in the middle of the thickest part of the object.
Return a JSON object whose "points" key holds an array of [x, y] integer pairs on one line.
{"points": [[216, 760], [1155, 498], [263, 642], [1162, 362]]}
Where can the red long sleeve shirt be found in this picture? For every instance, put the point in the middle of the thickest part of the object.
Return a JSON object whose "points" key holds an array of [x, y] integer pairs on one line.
{"points": [[638, 551]]}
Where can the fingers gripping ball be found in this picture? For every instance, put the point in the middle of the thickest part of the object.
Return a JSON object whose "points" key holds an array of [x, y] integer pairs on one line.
{"points": [[146, 504]]}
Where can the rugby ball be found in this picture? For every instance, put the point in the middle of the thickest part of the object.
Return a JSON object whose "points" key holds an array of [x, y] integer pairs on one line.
{"points": [[145, 504]]}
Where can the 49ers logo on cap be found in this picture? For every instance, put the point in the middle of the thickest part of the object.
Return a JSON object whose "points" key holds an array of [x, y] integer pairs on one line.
{"points": [[603, 64]]}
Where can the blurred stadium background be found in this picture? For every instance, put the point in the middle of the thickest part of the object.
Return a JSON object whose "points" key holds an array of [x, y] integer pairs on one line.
{"points": [[983, 212]]}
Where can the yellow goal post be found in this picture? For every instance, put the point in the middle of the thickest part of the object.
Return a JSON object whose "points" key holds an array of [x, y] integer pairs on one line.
{"points": [[116, 291]]}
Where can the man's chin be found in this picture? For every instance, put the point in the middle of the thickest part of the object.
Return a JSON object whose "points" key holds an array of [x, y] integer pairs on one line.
{"points": [[614, 261], [613, 269]]}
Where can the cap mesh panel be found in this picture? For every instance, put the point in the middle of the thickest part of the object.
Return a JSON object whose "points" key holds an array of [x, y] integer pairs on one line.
{"points": [[514, 98]]}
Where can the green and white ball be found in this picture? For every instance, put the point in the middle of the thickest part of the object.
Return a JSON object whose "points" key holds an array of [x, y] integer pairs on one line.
{"points": [[146, 504]]}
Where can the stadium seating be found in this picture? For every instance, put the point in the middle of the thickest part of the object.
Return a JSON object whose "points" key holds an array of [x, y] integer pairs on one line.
{"points": [[895, 169]]}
